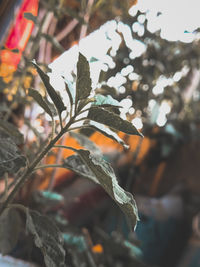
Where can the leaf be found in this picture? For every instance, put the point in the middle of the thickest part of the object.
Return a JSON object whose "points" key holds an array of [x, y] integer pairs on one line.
{"points": [[107, 132], [11, 160], [112, 120], [10, 222], [12, 132], [31, 17], [84, 102], [70, 91], [104, 174], [38, 98], [86, 142], [76, 164], [47, 237], [51, 91], [83, 84], [106, 100], [53, 41]]}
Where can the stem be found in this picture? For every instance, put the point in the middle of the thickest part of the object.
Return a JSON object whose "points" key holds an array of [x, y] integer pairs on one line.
{"points": [[32, 166], [48, 166], [68, 28], [58, 159], [66, 147]]}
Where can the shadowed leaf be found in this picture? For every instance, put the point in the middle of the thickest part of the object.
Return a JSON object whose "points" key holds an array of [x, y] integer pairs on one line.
{"points": [[10, 223], [11, 160], [47, 237], [38, 98], [112, 120], [51, 91], [12, 132]]}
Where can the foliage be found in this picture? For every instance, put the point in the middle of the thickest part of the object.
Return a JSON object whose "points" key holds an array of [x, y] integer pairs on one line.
{"points": [[48, 238], [96, 110]]}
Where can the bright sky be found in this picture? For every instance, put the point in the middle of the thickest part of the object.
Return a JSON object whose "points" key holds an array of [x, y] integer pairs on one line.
{"points": [[177, 16]]}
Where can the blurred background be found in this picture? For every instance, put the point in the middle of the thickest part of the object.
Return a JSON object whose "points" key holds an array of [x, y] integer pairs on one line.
{"points": [[146, 55]]}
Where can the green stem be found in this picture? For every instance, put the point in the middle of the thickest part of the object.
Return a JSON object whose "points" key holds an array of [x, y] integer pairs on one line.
{"points": [[48, 166], [66, 147]]}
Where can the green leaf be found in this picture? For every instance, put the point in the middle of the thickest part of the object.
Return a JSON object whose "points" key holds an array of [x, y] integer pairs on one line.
{"points": [[51, 91], [70, 91], [31, 17], [47, 237], [11, 160], [112, 120], [86, 143], [76, 164], [39, 99], [106, 100], [107, 132], [10, 222], [83, 84], [12, 132], [53, 41], [104, 175]]}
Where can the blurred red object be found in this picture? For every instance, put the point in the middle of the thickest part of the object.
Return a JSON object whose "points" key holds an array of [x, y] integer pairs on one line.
{"points": [[19, 34]]}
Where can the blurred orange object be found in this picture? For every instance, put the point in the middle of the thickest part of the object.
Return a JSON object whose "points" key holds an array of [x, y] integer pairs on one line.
{"points": [[97, 249], [137, 145]]}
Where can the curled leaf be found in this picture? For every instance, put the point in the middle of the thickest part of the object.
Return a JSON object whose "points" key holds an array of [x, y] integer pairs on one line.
{"points": [[76, 164], [86, 142], [104, 175], [51, 91], [107, 132]]}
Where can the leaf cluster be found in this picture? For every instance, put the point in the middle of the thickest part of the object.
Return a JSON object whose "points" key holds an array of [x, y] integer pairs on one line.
{"points": [[87, 162]]}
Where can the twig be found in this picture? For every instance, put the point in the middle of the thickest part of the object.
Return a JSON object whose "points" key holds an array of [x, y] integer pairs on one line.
{"points": [[43, 41], [84, 27], [69, 27], [51, 32], [58, 159]]}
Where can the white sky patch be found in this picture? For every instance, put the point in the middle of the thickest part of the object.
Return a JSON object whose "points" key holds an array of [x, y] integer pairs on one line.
{"points": [[177, 16]]}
